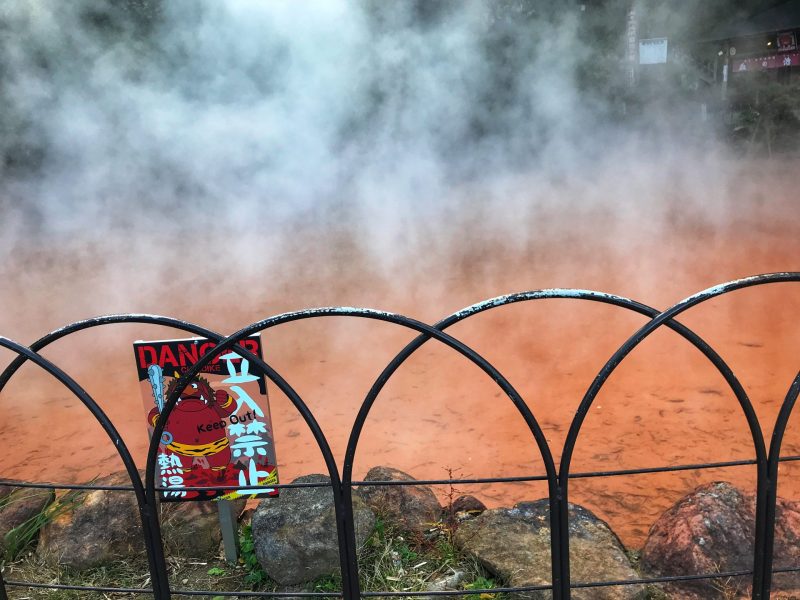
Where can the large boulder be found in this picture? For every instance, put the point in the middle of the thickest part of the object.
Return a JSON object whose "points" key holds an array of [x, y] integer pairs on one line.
{"points": [[413, 508], [100, 528], [295, 535], [192, 529], [712, 529], [19, 508], [514, 545]]}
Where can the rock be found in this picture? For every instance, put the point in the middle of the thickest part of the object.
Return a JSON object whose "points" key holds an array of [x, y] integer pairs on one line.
{"points": [[463, 508], [707, 531], [102, 527], [469, 504], [192, 529], [451, 582], [295, 535], [712, 530], [18, 506], [514, 545], [413, 508]]}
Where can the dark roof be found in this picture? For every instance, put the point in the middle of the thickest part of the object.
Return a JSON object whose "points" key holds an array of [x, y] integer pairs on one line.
{"points": [[783, 15]]}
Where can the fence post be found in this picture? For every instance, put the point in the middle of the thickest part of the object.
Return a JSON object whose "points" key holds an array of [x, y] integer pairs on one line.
{"points": [[559, 547], [768, 497], [155, 549], [348, 555], [764, 542], [764, 535]]}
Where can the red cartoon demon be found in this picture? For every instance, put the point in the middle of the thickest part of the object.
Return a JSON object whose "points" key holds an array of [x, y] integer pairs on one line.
{"points": [[196, 426]]}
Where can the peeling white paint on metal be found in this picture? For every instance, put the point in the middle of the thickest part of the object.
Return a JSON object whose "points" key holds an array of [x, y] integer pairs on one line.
{"points": [[322, 311], [721, 288], [110, 318], [534, 295]]}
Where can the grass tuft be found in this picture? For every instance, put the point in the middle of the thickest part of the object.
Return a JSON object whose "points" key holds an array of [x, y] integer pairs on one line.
{"points": [[24, 535], [255, 575], [391, 562]]}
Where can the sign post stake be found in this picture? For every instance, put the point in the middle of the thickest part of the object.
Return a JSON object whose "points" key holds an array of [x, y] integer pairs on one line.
{"points": [[230, 537]]}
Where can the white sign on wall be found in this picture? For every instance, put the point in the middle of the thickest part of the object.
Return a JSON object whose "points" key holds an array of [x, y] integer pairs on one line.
{"points": [[653, 51]]}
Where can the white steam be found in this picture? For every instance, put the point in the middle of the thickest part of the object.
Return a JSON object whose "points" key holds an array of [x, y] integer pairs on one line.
{"points": [[225, 160], [311, 153]]}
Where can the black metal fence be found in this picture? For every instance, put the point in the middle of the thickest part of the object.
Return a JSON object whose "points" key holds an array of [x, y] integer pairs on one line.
{"points": [[557, 476]]}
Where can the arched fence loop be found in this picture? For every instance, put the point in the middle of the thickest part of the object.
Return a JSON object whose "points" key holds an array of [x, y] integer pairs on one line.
{"points": [[561, 505], [557, 477], [147, 503], [343, 492], [761, 565], [145, 509]]}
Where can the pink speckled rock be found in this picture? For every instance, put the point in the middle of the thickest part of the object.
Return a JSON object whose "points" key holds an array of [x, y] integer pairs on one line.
{"points": [[712, 530], [787, 548]]}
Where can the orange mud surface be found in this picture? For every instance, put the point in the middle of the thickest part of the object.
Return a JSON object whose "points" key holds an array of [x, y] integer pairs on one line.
{"points": [[441, 416]]}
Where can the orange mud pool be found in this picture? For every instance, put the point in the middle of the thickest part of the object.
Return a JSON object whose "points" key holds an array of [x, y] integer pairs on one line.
{"points": [[441, 416]]}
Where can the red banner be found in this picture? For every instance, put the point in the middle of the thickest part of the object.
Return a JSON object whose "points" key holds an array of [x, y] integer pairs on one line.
{"points": [[763, 63]]}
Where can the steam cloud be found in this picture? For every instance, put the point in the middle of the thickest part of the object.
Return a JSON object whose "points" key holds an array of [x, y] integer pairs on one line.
{"points": [[323, 143]]}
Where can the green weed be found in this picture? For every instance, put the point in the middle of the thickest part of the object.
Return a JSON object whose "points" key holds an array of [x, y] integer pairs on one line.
{"points": [[23, 535], [329, 583], [255, 574], [480, 583]]}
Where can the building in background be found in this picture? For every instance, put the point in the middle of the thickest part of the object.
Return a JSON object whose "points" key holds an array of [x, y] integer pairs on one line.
{"points": [[764, 42], [758, 71]]}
